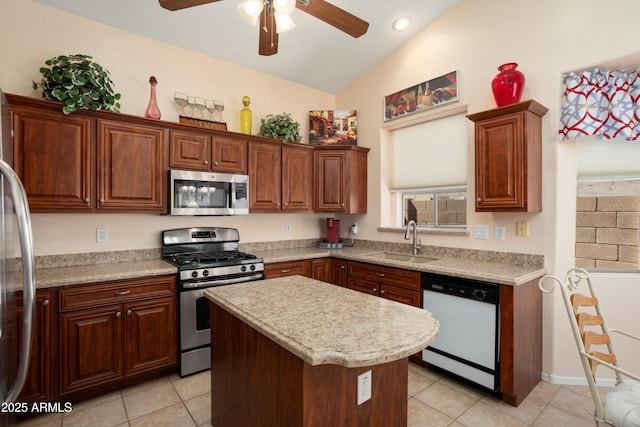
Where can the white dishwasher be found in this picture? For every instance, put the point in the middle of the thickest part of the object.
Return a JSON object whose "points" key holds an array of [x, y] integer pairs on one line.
{"points": [[467, 344]]}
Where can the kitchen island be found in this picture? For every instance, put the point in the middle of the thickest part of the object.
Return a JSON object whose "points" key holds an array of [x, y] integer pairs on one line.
{"points": [[288, 352]]}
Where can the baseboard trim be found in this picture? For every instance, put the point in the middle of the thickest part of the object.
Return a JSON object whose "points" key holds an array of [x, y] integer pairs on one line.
{"points": [[556, 379]]}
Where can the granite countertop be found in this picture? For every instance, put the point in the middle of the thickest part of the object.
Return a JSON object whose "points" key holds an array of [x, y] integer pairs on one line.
{"points": [[84, 274], [498, 271], [327, 324]]}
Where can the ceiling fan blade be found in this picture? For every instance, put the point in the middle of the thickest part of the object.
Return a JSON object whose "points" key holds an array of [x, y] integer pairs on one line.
{"points": [[268, 43], [183, 4], [336, 17]]}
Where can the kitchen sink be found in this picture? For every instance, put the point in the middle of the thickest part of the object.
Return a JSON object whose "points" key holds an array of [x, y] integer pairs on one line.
{"points": [[401, 257]]}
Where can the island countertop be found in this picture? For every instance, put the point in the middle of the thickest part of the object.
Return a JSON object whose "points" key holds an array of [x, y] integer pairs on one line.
{"points": [[327, 324]]}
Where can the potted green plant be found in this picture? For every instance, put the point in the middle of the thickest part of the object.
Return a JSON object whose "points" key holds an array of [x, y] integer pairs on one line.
{"points": [[280, 126], [79, 83]]}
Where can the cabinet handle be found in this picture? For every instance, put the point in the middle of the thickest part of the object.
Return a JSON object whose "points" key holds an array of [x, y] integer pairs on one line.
{"points": [[122, 292], [101, 200], [206, 162], [342, 204], [380, 274], [286, 204], [478, 199], [118, 314], [216, 163], [87, 200], [285, 271], [129, 312], [277, 203], [375, 289], [45, 302], [381, 291], [342, 267]]}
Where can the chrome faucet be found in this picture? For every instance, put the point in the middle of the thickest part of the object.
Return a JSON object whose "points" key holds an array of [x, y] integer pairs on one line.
{"points": [[416, 242]]}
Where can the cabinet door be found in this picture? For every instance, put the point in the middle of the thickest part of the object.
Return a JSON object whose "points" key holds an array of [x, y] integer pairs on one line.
{"points": [[338, 272], [287, 268], [189, 150], [265, 177], [130, 166], [330, 181], [500, 162], [53, 158], [38, 386], [150, 335], [401, 295], [229, 155], [297, 178], [91, 350], [366, 286], [320, 269]]}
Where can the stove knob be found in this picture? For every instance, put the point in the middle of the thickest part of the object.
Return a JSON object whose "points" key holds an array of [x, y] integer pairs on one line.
{"points": [[243, 268], [205, 273], [252, 268], [194, 274]]}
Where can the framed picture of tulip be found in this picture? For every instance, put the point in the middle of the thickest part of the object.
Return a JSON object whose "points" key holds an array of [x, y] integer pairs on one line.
{"points": [[333, 127], [423, 96]]}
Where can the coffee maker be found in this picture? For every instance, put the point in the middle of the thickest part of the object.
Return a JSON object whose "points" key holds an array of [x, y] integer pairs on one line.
{"points": [[333, 230]]}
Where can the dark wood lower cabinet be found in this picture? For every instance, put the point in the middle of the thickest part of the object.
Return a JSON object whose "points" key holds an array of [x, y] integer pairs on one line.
{"points": [[91, 348], [40, 379], [102, 341]]}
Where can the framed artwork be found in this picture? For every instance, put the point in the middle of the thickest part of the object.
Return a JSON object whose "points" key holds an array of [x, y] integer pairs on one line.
{"points": [[328, 127], [423, 96]]}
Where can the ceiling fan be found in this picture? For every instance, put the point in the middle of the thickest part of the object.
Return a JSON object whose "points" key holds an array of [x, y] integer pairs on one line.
{"points": [[268, 39]]}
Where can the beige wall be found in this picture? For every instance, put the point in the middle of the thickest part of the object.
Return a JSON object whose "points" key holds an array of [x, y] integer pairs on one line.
{"points": [[546, 37], [31, 33]]}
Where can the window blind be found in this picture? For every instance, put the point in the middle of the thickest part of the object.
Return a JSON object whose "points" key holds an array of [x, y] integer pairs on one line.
{"points": [[608, 159], [429, 154]]}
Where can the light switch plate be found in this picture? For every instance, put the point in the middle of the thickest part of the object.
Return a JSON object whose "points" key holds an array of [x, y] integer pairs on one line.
{"points": [[481, 232], [499, 232]]}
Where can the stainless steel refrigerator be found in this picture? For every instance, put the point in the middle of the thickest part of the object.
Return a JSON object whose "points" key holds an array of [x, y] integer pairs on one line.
{"points": [[15, 242]]}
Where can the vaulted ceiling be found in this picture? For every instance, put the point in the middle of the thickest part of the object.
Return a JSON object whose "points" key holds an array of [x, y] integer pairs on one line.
{"points": [[313, 53]]}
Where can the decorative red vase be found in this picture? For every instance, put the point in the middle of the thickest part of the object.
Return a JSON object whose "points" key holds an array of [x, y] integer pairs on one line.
{"points": [[507, 85]]}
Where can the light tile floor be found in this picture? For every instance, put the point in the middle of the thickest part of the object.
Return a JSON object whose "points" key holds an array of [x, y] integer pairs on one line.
{"points": [[434, 401]]}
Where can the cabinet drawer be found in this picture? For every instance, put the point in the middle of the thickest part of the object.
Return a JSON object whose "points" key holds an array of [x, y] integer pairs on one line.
{"points": [[388, 275], [92, 296], [288, 268]]}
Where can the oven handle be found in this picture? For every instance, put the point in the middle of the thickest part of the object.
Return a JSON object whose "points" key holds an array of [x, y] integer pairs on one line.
{"points": [[195, 285]]}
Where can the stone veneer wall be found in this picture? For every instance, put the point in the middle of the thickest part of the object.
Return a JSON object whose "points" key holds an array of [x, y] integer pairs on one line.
{"points": [[608, 231]]}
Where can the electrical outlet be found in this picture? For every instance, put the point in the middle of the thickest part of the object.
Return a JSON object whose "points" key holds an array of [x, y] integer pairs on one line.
{"points": [[288, 228], [481, 232], [102, 235], [499, 232], [522, 229], [354, 228], [364, 387]]}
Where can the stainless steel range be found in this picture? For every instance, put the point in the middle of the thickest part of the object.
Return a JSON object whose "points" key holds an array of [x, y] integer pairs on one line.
{"points": [[205, 257]]}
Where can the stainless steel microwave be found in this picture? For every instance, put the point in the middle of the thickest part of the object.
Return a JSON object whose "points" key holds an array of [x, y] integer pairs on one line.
{"points": [[208, 193]]}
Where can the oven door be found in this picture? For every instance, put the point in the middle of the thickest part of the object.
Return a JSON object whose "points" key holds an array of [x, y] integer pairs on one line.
{"points": [[195, 319]]}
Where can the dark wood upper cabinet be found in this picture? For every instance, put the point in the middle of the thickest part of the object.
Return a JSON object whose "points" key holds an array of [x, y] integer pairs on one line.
{"points": [[199, 151], [53, 155], [280, 177], [508, 152], [130, 166], [340, 179]]}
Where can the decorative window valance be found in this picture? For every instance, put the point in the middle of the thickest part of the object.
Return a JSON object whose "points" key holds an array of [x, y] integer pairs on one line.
{"points": [[601, 103]]}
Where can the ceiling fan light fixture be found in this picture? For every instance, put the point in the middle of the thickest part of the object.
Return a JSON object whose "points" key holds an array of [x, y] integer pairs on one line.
{"points": [[250, 10], [284, 6], [284, 22], [402, 23]]}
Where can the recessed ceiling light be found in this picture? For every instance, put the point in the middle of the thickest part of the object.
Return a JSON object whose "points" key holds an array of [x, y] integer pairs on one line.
{"points": [[402, 23]]}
